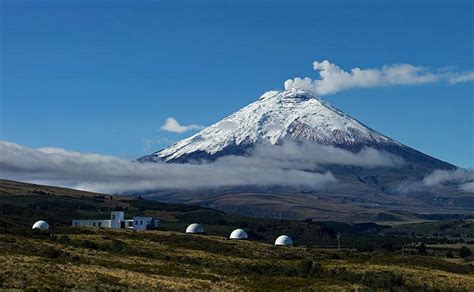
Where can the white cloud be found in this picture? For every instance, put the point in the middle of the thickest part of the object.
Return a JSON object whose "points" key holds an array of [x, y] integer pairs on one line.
{"points": [[461, 178], [439, 177], [462, 77], [467, 187], [288, 165], [172, 125], [102, 173], [312, 156], [333, 79]]}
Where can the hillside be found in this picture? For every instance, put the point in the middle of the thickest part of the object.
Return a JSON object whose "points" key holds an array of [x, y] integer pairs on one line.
{"points": [[105, 259], [371, 255]]}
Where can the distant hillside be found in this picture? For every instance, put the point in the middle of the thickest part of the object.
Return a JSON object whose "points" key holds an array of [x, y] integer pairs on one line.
{"points": [[22, 204]]}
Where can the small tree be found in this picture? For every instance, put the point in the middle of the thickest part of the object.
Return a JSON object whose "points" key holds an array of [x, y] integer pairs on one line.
{"points": [[465, 252], [422, 249]]}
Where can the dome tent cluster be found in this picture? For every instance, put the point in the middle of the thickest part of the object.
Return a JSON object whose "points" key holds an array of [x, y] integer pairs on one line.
{"points": [[239, 234]]}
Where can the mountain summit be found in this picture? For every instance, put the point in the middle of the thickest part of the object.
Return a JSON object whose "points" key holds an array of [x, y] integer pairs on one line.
{"points": [[361, 193], [277, 116]]}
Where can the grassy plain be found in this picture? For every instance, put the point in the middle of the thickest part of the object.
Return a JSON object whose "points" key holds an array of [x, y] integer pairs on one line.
{"points": [[371, 257]]}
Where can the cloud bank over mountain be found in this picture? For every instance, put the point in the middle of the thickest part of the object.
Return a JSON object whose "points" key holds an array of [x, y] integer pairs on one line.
{"points": [[333, 79], [288, 165], [463, 179], [109, 174]]}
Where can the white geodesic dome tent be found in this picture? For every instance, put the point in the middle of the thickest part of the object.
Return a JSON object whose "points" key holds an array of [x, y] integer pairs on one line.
{"points": [[283, 240], [194, 228], [41, 225], [238, 234]]}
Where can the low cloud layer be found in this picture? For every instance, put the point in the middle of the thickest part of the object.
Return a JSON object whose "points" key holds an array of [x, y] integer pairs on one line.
{"points": [[460, 178], [288, 165], [464, 178], [311, 156], [172, 125], [102, 173], [333, 79]]}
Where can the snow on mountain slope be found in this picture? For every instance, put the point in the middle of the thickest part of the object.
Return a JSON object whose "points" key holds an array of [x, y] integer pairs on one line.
{"points": [[274, 117]]}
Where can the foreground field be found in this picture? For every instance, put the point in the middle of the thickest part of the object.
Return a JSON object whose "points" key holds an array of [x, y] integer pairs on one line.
{"points": [[423, 256], [106, 259]]}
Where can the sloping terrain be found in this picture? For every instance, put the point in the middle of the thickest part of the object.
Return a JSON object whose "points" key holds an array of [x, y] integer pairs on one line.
{"points": [[106, 259], [372, 256]]}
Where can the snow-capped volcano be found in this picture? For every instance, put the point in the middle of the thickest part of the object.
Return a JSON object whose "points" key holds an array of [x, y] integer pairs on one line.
{"points": [[300, 116], [276, 116]]}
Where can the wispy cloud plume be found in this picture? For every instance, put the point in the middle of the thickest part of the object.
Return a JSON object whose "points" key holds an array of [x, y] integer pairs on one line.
{"points": [[172, 125], [333, 79], [462, 77]]}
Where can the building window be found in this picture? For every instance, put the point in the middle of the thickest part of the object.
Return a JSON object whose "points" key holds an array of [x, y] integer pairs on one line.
{"points": [[141, 222], [100, 224], [113, 217], [93, 224]]}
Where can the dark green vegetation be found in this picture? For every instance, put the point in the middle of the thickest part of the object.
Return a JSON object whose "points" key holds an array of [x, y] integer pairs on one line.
{"points": [[424, 256]]}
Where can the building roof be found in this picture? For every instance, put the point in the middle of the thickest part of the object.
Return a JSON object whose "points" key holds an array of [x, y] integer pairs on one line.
{"points": [[42, 225], [238, 234], [194, 228], [283, 240]]}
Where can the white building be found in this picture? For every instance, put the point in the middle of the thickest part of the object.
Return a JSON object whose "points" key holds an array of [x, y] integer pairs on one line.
{"points": [[238, 234], [117, 220], [283, 240], [143, 223], [194, 228], [41, 225]]}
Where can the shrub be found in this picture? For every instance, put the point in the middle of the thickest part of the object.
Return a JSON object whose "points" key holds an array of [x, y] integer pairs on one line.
{"points": [[465, 252], [307, 268], [449, 254], [52, 252], [64, 239], [89, 244], [383, 280], [422, 250]]}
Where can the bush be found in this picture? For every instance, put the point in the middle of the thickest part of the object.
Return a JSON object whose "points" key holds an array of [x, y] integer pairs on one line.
{"points": [[449, 254], [383, 280], [117, 245], [422, 250], [307, 268], [465, 252], [52, 253], [64, 239], [89, 244]]}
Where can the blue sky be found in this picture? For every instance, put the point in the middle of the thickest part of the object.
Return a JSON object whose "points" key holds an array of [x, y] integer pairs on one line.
{"points": [[102, 76]]}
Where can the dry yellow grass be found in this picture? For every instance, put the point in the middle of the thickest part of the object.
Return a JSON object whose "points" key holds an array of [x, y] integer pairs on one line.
{"points": [[434, 279], [108, 259]]}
